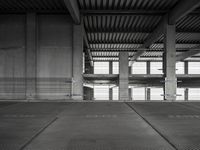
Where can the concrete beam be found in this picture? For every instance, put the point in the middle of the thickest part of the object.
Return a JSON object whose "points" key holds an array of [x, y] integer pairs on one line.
{"points": [[73, 9], [123, 76], [31, 34], [136, 56], [187, 54], [183, 8]]}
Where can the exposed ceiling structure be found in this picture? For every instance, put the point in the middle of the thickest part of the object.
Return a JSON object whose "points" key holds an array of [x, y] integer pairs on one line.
{"points": [[112, 26], [127, 25]]}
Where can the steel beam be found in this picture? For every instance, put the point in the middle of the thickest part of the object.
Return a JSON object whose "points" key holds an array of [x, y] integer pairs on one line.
{"points": [[183, 8], [187, 54]]}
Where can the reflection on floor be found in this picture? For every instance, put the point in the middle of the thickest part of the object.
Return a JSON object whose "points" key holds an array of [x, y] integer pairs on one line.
{"points": [[100, 126]]}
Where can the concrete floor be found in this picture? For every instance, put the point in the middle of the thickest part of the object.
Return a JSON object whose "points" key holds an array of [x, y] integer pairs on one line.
{"points": [[100, 126]]}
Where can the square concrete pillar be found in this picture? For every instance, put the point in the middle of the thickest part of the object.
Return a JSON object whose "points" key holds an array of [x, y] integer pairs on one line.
{"points": [[186, 92], [130, 94], [123, 76], [147, 94], [31, 35], [110, 94], [169, 63], [77, 91], [110, 67]]}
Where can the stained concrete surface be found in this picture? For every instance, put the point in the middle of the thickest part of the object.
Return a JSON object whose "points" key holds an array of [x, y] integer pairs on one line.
{"points": [[99, 126]]}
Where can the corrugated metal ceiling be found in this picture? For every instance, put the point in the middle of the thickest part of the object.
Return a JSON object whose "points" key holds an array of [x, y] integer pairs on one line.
{"points": [[120, 31]]}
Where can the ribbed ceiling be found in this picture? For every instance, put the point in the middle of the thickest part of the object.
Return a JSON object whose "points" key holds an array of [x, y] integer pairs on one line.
{"points": [[120, 25]]}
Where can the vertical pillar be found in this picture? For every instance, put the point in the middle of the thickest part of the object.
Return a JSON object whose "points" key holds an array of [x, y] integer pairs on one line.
{"points": [[77, 62], [88, 68], [148, 67], [110, 94], [147, 94], [31, 36], [130, 94], [130, 69], [147, 89], [169, 61], [186, 92], [186, 67], [110, 67], [123, 76]]}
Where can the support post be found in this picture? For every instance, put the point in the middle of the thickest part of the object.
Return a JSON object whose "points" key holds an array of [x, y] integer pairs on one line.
{"points": [[88, 68], [77, 62], [130, 69], [186, 89], [147, 89], [110, 67], [123, 76], [147, 94], [169, 61], [148, 67], [31, 36], [130, 94], [186, 67], [186, 94], [110, 94]]}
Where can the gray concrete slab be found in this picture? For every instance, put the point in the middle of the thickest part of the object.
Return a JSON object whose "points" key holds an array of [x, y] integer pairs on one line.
{"points": [[177, 122], [5, 104], [35, 108], [96, 108], [99, 126], [16, 131], [20, 122]]}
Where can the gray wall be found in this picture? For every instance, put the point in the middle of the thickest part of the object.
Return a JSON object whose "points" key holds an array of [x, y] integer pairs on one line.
{"points": [[53, 56], [12, 56]]}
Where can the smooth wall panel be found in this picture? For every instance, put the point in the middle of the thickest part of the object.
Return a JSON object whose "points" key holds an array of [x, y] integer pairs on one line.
{"points": [[12, 57], [54, 56]]}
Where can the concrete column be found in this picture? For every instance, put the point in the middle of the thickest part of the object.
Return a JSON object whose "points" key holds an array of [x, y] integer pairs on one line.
{"points": [[110, 67], [148, 67], [147, 89], [186, 92], [88, 68], [130, 94], [130, 70], [31, 47], [110, 94], [123, 76], [169, 61], [77, 62], [147, 94], [186, 67]]}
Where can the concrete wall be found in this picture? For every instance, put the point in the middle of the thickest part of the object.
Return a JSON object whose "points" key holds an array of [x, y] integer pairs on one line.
{"points": [[53, 56], [12, 56]]}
